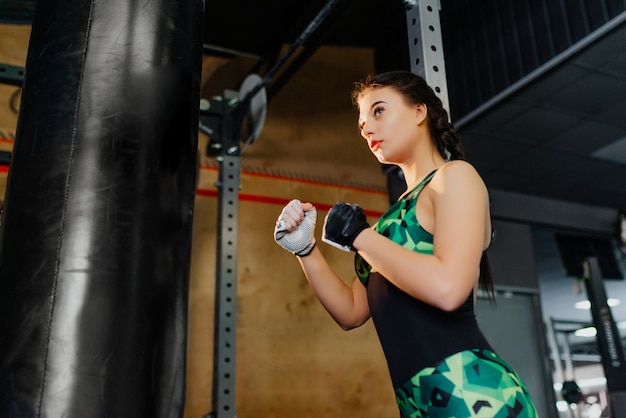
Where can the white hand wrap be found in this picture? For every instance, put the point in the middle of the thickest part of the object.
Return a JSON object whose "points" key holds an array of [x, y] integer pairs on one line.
{"points": [[300, 241]]}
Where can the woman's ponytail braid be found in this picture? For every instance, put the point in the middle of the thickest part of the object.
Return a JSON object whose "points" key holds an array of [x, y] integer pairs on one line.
{"points": [[444, 134]]}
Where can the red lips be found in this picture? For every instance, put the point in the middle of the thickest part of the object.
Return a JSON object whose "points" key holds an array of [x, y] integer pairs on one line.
{"points": [[374, 144]]}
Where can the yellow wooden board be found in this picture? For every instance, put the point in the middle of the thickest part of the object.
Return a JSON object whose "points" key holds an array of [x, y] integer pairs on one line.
{"points": [[292, 359]]}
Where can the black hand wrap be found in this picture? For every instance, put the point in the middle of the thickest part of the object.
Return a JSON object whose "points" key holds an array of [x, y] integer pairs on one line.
{"points": [[343, 224]]}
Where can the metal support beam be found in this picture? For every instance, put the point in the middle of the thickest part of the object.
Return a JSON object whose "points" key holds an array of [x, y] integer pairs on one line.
{"points": [[554, 348], [609, 343], [17, 12], [225, 117], [426, 60], [426, 45], [222, 119], [307, 33], [12, 75]]}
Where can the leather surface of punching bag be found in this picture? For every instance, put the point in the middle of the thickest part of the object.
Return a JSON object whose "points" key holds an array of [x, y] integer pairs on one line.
{"points": [[96, 235]]}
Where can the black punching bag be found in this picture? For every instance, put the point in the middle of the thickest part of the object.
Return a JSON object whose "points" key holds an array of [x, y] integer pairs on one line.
{"points": [[96, 234]]}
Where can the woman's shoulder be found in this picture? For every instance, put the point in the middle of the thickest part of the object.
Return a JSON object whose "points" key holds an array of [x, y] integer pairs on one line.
{"points": [[457, 168], [458, 174]]}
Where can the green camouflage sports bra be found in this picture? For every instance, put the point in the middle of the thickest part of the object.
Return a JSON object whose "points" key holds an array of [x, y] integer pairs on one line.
{"points": [[400, 225]]}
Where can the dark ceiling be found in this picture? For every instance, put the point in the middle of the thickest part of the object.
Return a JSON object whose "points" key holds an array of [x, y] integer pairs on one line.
{"points": [[559, 132], [259, 28]]}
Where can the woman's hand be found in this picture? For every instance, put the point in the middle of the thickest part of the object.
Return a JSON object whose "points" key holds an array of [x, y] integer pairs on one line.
{"points": [[294, 232], [295, 228], [343, 224]]}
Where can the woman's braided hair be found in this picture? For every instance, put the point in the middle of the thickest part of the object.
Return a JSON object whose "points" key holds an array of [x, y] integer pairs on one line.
{"points": [[415, 90]]}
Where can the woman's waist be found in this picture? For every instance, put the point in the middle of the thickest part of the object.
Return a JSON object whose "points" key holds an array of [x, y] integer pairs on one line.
{"points": [[409, 350]]}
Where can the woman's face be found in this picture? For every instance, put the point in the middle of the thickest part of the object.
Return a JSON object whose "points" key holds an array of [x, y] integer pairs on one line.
{"points": [[389, 124]]}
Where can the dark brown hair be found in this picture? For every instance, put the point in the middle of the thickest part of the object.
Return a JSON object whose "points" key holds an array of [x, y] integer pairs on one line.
{"points": [[415, 90]]}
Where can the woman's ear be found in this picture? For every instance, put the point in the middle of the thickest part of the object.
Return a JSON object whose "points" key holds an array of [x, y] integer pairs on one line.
{"points": [[421, 113]]}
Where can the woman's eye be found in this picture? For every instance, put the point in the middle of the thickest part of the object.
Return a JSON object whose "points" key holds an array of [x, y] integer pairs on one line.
{"points": [[378, 111]]}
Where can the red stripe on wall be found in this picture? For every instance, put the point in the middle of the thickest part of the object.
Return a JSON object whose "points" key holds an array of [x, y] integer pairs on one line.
{"points": [[299, 180], [264, 199], [280, 201]]}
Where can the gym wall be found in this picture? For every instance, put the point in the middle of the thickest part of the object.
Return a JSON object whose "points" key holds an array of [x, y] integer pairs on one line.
{"points": [[292, 359]]}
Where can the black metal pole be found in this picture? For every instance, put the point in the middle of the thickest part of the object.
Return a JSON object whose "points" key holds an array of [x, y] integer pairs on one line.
{"points": [[307, 33], [611, 351], [96, 236]]}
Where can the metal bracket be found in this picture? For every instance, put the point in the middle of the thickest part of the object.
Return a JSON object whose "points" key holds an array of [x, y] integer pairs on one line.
{"points": [[12, 75]]}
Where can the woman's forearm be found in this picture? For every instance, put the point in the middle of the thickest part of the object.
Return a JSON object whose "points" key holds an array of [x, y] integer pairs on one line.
{"points": [[442, 283], [346, 305]]}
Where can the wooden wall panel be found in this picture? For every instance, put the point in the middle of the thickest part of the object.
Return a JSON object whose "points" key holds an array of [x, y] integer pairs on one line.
{"points": [[13, 49], [292, 359]]}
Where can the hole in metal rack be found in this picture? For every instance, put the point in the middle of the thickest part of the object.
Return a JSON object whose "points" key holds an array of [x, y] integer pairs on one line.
{"points": [[435, 68], [415, 40]]}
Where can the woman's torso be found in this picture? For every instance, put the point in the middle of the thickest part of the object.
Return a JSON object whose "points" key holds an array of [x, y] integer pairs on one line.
{"points": [[413, 334]]}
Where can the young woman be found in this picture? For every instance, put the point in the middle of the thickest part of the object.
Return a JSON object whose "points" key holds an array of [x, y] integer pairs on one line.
{"points": [[419, 267]]}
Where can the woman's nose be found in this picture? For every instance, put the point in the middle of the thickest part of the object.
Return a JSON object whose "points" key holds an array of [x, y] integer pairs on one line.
{"points": [[366, 129]]}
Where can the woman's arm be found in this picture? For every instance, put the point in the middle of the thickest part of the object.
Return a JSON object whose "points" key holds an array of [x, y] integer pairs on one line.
{"points": [[460, 209], [294, 231], [347, 305]]}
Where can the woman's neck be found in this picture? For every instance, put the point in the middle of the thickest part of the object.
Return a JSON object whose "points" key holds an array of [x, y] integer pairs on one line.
{"points": [[415, 171]]}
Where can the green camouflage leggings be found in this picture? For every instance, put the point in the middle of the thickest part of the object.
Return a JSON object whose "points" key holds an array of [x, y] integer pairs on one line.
{"points": [[472, 383]]}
